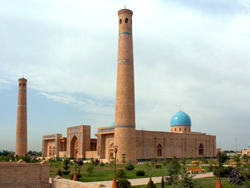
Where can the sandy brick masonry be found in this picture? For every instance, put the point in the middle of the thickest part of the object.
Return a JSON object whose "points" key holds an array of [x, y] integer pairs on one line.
{"points": [[60, 182], [24, 175]]}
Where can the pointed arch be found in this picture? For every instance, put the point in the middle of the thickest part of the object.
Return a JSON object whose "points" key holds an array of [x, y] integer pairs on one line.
{"points": [[159, 150], [201, 149], [73, 146], [111, 150]]}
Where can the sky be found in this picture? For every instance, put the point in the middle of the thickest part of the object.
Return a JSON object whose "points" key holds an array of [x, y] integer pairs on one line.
{"points": [[192, 55]]}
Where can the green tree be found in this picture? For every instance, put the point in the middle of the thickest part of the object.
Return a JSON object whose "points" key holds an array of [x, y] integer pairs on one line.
{"points": [[90, 169], [149, 168], [173, 169], [223, 157], [151, 184], [237, 158], [186, 181]]}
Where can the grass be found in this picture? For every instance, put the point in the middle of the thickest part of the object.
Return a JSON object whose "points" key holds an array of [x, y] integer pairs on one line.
{"points": [[106, 172], [204, 182]]}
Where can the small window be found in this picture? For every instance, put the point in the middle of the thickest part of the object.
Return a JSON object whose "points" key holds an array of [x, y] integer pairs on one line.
{"points": [[120, 21], [185, 129], [126, 20], [201, 149], [20, 84], [174, 129], [23, 84], [180, 129], [159, 150]]}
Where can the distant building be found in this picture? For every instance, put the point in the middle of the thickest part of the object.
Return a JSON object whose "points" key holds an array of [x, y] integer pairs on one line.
{"points": [[246, 151]]}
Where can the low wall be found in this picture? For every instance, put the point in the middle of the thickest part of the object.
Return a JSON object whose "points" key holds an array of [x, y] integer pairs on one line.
{"points": [[90, 154], [60, 182], [21, 174]]}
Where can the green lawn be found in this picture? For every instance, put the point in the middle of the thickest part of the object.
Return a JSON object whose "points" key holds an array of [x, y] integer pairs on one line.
{"points": [[106, 172]]}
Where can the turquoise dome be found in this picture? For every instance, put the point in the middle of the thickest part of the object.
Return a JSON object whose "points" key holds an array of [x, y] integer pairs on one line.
{"points": [[180, 119], [112, 124], [249, 144]]}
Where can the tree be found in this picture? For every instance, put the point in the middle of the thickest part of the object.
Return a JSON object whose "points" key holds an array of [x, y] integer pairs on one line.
{"points": [[151, 184], [237, 158], [4, 153], [186, 181], [223, 157], [123, 158], [149, 168], [173, 169], [90, 169], [79, 163]]}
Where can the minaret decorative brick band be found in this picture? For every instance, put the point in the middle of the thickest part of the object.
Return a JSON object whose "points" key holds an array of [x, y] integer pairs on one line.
{"points": [[21, 125], [124, 136]]}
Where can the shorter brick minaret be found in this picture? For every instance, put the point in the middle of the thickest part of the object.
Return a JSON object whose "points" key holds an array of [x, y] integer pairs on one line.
{"points": [[21, 125]]}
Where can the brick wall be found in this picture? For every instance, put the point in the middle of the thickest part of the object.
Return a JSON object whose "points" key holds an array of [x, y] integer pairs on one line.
{"points": [[21, 174], [60, 182], [90, 154]]}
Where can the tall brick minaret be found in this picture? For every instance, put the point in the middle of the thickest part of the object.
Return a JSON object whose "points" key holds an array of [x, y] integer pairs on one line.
{"points": [[21, 125], [125, 101]]}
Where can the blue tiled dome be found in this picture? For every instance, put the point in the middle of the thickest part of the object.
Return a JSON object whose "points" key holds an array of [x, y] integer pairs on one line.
{"points": [[112, 124], [180, 119]]}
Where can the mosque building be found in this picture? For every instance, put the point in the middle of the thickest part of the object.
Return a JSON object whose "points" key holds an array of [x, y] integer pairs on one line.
{"points": [[246, 151], [137, 145]]}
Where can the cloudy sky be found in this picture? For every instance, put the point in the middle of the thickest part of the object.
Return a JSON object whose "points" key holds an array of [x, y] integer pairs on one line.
{"points": [[192, 55]]}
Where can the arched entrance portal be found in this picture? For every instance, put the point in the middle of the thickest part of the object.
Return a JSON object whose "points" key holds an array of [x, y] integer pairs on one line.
{"points": [[73, 147]]}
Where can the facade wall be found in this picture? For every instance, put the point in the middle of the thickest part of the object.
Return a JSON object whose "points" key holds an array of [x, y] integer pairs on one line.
{"points": [[91, 154], [51, 141], [173, 144], [246, 151], [20, 174], [78, 137]]}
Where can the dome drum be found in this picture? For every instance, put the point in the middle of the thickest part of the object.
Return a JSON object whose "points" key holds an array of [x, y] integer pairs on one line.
{"points": [[180, 122]]}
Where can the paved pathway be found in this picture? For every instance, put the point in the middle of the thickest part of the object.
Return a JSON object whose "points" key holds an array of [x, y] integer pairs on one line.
{"points": [[144, 181]]}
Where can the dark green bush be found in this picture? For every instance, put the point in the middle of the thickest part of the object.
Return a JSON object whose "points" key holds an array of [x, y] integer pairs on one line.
{"points": [[66, 167], [157, 166], [102, 164], [224, 171], [123, 183], [210, 167], [130, 166], [66, 161], [121, 173], [4, 158], [66, 172], [51, 160], [72, 175], [26, 159], [59, 172], [140, 173], [151, 184]]}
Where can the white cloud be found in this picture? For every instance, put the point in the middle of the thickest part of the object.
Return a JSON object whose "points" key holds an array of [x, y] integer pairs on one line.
{"points": [[186, 55]]}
